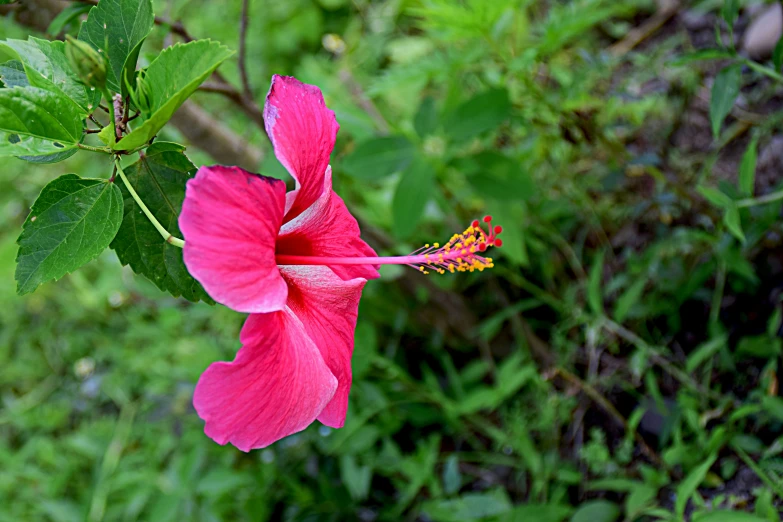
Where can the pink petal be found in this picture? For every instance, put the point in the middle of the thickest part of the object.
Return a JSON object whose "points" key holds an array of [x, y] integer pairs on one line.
{"points": [[303, 132], [276, 386], [327, 228], [327, 307], [230, 220]]}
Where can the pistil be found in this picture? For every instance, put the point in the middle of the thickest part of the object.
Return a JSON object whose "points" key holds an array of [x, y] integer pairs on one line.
{"points": [[460, 254]]}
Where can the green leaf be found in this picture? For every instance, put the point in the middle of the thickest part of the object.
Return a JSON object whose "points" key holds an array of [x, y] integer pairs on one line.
{"points": [[730, 11], [47, 67], [639, 498], [762, 346], [703, 54], [628, 299], [704, 351], [747, 170], [13, 75], [715, 196], [725, 90], [470, 506], [159, 179], [689, 484], [777, 55], [413, 192], [169, 80], [496, 176], [379, 157], [72, 221], [594, 295], [452, 478], [66, 16], [355, 478], [426, 120], [539, 513], [36, 122], [727, 516], [597, 511], [773, 406], [480, 114], [50, 158], [117, 28], [513, 218], [731, 218]]}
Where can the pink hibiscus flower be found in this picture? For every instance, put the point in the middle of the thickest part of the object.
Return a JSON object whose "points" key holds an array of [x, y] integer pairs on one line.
{"points": [[296, 263]]}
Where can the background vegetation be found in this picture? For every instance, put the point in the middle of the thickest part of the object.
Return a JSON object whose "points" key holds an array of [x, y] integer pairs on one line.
{"points": [[620, 362]]}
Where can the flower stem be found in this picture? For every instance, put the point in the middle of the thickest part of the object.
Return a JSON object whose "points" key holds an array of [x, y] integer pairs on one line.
{"points": [[163, 232]]}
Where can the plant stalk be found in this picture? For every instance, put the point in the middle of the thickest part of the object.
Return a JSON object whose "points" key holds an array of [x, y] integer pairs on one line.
{"points": [[177, 242]]}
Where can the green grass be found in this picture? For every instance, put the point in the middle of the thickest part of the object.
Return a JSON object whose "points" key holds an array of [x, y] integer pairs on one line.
{"points": [[620, 362]]}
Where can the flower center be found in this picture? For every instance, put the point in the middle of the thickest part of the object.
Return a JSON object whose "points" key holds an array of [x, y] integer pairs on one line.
{"points": [[462, 253]]}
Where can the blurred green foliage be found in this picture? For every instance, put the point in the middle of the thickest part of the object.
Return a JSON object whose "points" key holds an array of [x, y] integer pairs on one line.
{"points": [[619, 363]]}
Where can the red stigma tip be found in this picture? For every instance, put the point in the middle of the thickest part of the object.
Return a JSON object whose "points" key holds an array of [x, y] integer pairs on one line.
{"points": [[498, 229], [498, 243], [487, 219], [475, 223], [482, 246]]}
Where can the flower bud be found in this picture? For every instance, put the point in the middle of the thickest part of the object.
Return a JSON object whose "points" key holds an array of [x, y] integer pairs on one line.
{"points": [[143, 95], [89, 64]]}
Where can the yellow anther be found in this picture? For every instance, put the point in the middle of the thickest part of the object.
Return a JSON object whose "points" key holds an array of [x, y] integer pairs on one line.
{"points": [[436, 245]]}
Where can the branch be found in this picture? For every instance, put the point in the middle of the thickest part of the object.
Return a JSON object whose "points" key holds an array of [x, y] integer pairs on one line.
{"points": [[214, 138], [246, 90]]}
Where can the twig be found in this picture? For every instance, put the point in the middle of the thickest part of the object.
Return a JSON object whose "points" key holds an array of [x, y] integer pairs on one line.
{"points": [[364, 102], [648, 28], [609, 408], [119, 128], [246, 90]]}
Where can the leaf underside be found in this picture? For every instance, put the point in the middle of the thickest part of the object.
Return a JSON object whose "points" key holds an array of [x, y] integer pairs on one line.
{"points": [[36, 122]]}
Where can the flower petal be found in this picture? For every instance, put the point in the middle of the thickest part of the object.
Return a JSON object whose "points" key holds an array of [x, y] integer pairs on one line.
{"points": [[327, 228], [303, 132], [327, 307], [230, 220], [276, 386]]}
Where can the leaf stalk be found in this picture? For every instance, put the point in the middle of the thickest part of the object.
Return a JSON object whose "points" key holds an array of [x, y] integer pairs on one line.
{"points": [[177, 242]]}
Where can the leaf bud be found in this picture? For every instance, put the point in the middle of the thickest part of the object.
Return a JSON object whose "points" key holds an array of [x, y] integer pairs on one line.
{"points": [[89, 64]]}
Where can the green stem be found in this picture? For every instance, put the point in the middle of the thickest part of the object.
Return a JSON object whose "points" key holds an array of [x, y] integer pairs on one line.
{"points": [[163, 232], [761, 200], [104, 150], [763, 70], [771, 484]]}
